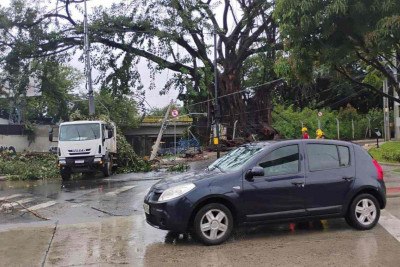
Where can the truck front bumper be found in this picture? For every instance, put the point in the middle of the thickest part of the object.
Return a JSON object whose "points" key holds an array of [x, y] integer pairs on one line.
{"points": [[81, 164]]}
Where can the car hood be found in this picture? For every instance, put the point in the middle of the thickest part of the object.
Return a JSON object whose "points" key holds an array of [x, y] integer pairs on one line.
{"points": [[188, 177]]}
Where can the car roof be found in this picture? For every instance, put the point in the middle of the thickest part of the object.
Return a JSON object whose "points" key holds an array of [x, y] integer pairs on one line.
{"points": [[296, 141]]}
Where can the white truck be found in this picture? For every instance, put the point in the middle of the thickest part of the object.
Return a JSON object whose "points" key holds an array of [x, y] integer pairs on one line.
{"points": [[86, 147]]}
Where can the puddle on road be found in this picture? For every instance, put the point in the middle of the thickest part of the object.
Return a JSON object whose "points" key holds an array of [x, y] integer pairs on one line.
{"points": [[129, 240]]}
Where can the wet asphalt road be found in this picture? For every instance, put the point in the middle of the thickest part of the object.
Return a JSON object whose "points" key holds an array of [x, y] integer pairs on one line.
{"points": [[101, 222]]}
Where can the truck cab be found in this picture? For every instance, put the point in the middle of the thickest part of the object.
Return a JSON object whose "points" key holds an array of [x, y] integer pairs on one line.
{"points": [[86, 147]]}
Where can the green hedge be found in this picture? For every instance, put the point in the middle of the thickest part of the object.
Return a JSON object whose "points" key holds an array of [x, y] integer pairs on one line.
{"points": [[288, 122]]}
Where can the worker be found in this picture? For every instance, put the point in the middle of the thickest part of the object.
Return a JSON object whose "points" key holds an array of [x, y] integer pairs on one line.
{"points": [[304, 133], [320, 134]]}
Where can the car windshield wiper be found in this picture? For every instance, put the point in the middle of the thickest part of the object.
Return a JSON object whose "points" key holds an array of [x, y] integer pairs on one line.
{"points": [[95, 136], [79, 136]]}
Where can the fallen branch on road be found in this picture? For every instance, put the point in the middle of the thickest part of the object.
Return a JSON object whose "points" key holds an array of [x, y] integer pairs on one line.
{"points": [[25, 208], [106, 212]]}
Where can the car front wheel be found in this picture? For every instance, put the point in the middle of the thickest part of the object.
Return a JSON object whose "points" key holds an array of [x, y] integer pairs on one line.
{"points": [[364, 212], [213, 224]]}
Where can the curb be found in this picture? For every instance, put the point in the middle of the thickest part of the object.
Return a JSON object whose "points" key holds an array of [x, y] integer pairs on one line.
{"points": [[3, 178], [389, 164], [393, 195]]}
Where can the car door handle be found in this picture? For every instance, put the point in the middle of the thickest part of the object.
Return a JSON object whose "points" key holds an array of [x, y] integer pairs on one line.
{"points": [[348, 179], [298, 184]]}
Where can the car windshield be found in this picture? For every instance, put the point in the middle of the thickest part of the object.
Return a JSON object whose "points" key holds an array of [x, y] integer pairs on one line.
{"points": [[80, 132], [235, 159]]}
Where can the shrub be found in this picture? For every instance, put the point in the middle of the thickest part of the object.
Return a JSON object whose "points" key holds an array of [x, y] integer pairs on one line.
{"points": [[288, 122]]}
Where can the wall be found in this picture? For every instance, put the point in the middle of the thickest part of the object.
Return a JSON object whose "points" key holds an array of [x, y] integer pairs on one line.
{"points": [[41, 142]]}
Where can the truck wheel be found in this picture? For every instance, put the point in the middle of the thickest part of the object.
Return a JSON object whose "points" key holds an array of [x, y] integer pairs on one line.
{"points": [[65, 174], [107, 169]]}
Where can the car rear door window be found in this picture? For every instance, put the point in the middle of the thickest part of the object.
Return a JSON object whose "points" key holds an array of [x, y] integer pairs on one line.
{"points": [[322, 157], [344, 154], [284, 160]]}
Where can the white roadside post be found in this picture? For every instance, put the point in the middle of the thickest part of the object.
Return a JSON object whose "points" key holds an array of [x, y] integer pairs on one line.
{"points": [[175, 114]]}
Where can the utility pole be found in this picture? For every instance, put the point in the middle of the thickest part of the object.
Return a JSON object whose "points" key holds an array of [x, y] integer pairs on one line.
{"points": [[160, 133], [396, 113], [87, 64], [386, 111], [216, 106]]}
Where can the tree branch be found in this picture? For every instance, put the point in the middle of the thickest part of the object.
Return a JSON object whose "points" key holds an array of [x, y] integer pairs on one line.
{"points": [[342, 71]]}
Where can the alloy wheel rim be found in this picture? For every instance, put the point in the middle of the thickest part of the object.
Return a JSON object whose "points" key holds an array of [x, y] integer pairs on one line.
{"points": [[365, 211], [214, 224]]}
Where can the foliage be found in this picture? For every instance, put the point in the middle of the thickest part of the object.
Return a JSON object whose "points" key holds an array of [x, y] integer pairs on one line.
{"points": [[356, 38], [30, 132], [57, 82], [161, 111], [168, 35], [122, 110], [128, 161], [29, 166], [288, 122], [387, 152]]}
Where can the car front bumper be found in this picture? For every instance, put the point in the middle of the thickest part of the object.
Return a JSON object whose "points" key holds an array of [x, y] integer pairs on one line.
{"points": [[173, 215]]}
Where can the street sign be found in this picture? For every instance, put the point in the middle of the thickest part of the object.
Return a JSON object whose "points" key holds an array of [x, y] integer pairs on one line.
{"points": [[320, 114], [174, 113]]}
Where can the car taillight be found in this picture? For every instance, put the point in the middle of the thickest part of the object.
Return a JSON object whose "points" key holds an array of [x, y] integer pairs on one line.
{"points": [[378, 170]]}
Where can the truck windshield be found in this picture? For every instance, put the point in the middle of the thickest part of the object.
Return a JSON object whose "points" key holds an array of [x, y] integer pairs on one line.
{"points": [[80, 132]]}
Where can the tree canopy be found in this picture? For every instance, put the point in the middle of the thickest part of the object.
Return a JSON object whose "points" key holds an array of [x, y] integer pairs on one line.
{"points": [[358, 38]]}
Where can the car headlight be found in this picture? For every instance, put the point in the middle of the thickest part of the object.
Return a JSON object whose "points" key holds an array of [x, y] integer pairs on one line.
{"points": [[176, 191]]}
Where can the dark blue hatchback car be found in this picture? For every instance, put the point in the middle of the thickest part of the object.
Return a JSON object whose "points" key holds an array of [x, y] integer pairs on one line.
{"points": [[271, 182]]}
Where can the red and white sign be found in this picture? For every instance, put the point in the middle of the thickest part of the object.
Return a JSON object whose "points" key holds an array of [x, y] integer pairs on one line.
{"points": [[174, 113]]}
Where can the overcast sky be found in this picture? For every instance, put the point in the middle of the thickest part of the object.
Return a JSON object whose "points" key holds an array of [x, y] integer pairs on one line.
{"points": [[152, 96]]}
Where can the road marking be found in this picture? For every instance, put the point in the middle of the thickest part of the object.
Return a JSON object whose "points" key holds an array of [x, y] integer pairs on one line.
{"points": [[390, 223], [10, 197], [43, 205], [120, 190]]}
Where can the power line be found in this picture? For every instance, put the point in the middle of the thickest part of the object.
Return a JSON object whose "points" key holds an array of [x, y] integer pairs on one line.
{"points": [[237, 92]]}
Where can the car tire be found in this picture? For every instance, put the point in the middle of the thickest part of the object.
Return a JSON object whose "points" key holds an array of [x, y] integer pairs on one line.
{"points": [[364, 212], [213, 224], [65, 174]]}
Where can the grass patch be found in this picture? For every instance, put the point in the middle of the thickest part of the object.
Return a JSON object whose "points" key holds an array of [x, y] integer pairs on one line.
{"points": [[387, 152], [28, 166]]}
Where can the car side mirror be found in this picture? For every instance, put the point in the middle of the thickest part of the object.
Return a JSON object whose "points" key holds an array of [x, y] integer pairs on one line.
{"points": [[255, 171]]}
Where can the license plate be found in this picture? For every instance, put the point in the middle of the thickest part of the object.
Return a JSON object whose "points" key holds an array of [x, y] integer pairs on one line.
{"points": [[79, 161], [146, 208]]}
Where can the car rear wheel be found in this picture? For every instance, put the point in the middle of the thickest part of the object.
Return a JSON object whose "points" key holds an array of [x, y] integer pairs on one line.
{"points": [[213, 224], [364, 212]]}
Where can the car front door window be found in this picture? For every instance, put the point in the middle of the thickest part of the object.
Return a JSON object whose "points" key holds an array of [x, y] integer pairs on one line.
{"points": [[284, 160]]}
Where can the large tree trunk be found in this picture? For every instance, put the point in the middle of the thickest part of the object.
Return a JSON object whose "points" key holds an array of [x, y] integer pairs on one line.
{"points": [[253, 114]]}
